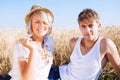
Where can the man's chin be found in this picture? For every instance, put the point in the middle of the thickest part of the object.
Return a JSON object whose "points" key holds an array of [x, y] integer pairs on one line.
{"points": [[89, 39]]}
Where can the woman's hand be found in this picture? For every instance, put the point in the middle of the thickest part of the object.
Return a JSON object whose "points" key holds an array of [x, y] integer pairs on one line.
{"points": [[26, 42]]}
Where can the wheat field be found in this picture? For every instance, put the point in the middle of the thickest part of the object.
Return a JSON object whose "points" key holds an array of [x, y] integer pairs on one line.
{"points": [[8, 39]]}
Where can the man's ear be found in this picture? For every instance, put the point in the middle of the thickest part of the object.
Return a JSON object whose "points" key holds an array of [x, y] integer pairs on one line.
{"points": [[99, 25]]}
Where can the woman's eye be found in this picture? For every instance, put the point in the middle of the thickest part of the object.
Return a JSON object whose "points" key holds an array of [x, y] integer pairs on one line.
{"points": [[36, 22], [44, 23]]}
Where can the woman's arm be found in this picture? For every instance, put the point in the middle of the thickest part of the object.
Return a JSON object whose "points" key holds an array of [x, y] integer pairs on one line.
{"points": [[27, 66]]}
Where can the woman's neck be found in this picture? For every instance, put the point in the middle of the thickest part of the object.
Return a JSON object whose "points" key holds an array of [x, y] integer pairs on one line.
{"points": [[37, 39]]}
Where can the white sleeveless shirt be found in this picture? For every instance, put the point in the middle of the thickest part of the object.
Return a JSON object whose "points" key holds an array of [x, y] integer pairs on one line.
{"points": [[83, 67]]}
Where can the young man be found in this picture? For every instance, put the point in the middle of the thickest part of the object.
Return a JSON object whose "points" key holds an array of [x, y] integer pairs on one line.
{"points": [[91, 52]]}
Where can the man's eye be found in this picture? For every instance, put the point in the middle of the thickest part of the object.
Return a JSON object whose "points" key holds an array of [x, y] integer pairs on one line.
{"points": [[91, 25], [83, 26]]}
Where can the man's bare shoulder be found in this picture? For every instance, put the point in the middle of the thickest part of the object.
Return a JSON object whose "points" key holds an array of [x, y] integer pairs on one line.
{"points": [[72, 42], [107, 44]]}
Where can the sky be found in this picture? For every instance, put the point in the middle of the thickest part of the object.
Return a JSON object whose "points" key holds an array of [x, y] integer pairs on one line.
{"points": [[13, 12]]}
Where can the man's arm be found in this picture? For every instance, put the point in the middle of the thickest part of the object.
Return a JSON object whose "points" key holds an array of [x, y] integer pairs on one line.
{"points": [[112, 54]]}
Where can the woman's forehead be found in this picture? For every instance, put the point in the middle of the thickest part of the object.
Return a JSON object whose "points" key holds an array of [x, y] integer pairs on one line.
{"points": [[39, 17]]}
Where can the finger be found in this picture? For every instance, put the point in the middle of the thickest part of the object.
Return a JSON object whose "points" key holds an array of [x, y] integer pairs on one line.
{"points": [[30, 39]]}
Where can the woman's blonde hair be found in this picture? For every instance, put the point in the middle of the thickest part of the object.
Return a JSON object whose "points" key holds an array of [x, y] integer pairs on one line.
{"points": [[45, 16], [44, 13]]}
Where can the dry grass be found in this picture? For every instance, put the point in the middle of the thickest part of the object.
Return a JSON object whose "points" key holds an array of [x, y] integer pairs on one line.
{"points": [[8, 38]]}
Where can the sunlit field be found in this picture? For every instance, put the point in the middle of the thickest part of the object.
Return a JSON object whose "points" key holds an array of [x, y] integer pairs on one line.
{"points": [[8, 39]]}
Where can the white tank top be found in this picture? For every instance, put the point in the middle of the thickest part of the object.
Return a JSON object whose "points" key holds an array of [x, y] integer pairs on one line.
{"points": [[83, 67]]}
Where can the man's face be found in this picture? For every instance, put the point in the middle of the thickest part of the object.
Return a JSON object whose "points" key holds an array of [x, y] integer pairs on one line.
{"points": [[89, 29]]}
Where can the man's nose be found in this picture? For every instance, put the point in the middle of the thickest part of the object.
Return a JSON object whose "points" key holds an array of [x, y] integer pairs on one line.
{"points": [[88, 29]]}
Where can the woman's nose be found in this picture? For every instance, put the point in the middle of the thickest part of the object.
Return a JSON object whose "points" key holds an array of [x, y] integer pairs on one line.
{"points": [[41, 25]]}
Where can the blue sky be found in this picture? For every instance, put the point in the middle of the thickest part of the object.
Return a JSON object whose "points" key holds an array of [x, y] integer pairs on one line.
{"points": [[12, 12]]}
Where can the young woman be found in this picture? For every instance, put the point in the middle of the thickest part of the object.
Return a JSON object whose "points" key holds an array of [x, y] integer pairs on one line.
{"points": [[33, 55]]}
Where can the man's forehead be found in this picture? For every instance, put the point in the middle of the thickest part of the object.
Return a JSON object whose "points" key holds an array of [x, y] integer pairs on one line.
{"points": [[87, 22]]}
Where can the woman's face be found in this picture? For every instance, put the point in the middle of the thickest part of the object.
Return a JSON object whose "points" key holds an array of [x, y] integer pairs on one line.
{"points": [[39, 26]]}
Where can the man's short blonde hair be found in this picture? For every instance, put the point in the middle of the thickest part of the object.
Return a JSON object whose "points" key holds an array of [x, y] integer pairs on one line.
{"points": [[89, 15]]}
